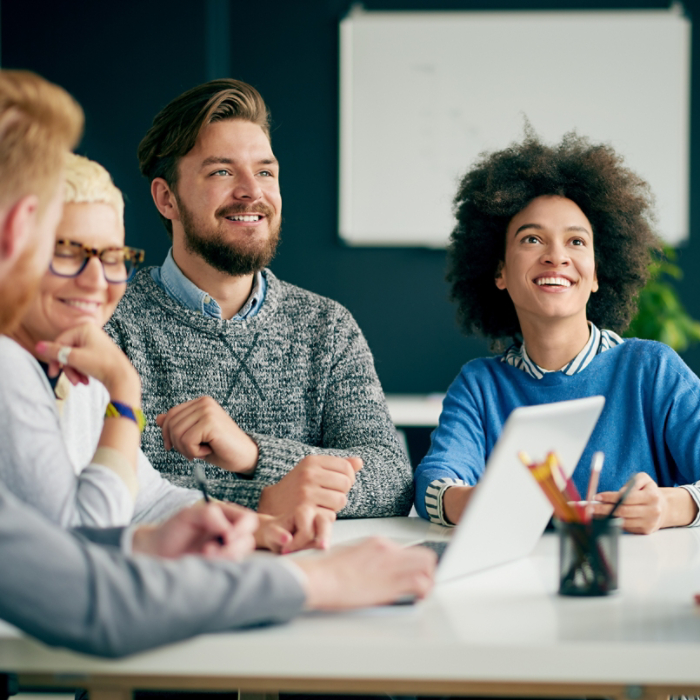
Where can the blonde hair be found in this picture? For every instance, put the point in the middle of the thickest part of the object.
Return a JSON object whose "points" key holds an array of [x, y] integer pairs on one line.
{"points": [[39, 123], [87, 182]]}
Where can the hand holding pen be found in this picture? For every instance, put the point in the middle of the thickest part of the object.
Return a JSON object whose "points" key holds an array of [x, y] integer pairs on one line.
{"points": [[217, 530], [200, 479], [302, 528], [234, 524], [643, 509]]}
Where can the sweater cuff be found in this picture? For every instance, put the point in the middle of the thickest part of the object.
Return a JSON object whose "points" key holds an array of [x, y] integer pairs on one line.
{"points": [[434, 499], [694, 491], [241, 491], [115, 461], [278, 456]]}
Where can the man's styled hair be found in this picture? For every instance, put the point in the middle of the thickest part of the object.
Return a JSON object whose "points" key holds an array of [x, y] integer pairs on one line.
{"points": [[177, 126], [39, 123], [87, 182], [617, 203]]}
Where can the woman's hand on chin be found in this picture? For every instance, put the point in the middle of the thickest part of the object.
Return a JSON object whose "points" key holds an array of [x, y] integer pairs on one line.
{"points": [[87, 351]]}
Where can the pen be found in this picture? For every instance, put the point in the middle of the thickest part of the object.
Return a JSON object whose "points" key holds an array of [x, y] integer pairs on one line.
{"points": [[626, 492], [200, 479], [596, 467]]}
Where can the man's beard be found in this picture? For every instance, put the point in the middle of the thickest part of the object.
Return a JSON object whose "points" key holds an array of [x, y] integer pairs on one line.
{"points": [[232, 258], [17, 290]]}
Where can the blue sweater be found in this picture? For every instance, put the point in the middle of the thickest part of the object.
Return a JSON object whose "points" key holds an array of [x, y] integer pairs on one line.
{"points": [[650, 423]]}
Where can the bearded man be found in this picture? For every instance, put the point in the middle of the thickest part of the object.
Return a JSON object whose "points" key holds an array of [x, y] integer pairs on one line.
{"points": [[274, 385]]}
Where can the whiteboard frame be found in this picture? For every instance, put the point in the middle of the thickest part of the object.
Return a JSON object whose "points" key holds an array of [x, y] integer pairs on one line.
{"points": [[349, 230]]}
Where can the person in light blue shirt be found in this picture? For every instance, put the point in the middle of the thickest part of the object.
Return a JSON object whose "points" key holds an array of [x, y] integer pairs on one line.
{"points": [[170, 278], [551, 248], [274, 386]]}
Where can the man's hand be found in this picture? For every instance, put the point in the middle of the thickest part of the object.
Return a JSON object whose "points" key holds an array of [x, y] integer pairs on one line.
{"points": [[222, 530], [320, 481], [648, 507], [305, 527], [375, 572], [201, 429]]}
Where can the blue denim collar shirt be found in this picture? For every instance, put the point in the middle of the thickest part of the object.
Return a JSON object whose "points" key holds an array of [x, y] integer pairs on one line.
{"points": [[173, 282]]}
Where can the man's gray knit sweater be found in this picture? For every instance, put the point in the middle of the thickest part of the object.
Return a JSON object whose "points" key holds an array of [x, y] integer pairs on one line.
{"points": [[298, 377]]}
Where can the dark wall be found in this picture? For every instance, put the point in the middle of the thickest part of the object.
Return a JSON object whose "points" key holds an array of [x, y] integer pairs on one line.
{"points": [[124, 61]]}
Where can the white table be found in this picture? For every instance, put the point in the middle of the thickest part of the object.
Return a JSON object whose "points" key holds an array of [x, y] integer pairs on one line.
{"points": [[503, 631]]}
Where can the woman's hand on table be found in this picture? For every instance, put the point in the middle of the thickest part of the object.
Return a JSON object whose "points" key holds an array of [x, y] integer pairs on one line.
{"points": [[305, 527]]}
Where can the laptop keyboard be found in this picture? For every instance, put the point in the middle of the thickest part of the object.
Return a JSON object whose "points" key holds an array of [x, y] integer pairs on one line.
{"points": [[438, 546]]}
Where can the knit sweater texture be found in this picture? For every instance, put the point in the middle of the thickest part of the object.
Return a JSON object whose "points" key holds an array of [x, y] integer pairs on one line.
{"points": [[650, 422], [298, 377]]}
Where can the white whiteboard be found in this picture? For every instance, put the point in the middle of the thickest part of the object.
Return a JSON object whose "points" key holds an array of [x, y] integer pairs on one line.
{"points": [[423, 93]]}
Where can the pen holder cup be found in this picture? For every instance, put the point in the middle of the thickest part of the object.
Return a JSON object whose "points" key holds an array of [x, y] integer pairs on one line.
{"points": [[588, 561]]}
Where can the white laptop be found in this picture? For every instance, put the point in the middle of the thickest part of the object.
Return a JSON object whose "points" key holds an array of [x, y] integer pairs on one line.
{"points": [[508, 512]]}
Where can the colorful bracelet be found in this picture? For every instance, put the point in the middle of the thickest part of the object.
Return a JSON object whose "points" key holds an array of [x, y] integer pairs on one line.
{"points": [[116, 409]]}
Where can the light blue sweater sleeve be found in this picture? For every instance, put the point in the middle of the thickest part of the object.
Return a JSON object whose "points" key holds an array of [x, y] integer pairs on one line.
{"points": [[458, 444], [675, 407], [676, 421]]}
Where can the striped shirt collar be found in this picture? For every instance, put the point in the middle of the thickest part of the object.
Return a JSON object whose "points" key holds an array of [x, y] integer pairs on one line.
{"points": [[598, 341]]}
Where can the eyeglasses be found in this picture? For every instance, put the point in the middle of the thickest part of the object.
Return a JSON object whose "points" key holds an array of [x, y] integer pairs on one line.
{"points": [[119, 264]]}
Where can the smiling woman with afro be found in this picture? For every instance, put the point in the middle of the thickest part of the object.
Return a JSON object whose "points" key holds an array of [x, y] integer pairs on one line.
{"points": [[617, 203], [551, 247]]}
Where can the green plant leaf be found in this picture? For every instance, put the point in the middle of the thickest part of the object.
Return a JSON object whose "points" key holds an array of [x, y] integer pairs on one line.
{"points": [[661, 315]]}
